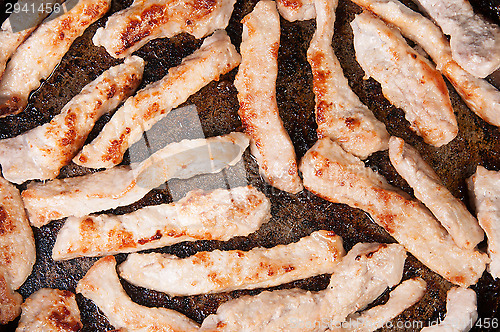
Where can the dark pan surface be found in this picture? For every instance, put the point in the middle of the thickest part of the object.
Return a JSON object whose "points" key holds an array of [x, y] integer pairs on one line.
{"points": [[294, 216]]}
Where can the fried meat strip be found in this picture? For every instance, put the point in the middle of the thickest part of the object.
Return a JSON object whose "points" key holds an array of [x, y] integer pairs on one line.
{"points": [[10, 301], [428, 188], [17, 245], [256, 85], [296, 10], [408, 80], [139, 113], [360, 277], [340, 115], [223, 271], [401, 298], [37, 57], [145, 20], [123, 185], [484, 186], [461, 315], [102, 286], [481, 97], [50, 310], [41, 152], [475, 42], [218, 215], [340, 177], [17, 250]]}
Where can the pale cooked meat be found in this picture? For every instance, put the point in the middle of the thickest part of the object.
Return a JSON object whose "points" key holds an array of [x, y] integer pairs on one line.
{"points": [[340, 115], [37, 57], [475, 43], [340, 177], [10, 39], [102, 286], [41, 152], [9, 42], [360, 277], [224, 271], [17, 245], [485, 190], [408, 80], [481, 97], [145, 20], [215, 57], [296, 10], [10, 301], [218, 215], [256, 85], [50, 310], [401, 298], [428, 188], [123, 185], [461, 311]]}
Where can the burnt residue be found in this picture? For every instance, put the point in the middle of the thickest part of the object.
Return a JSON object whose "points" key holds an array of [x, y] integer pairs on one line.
{"points": [[294, 216]]}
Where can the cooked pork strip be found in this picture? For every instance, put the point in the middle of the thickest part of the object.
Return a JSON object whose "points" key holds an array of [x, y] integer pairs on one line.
{"points": [[481, 97], [428, 188], [224, 271], [215, 57], [485, 190], [218, 215], [296, 10], [360, 277], [340, 115], [50, 310], [408, 80], [10, 301], [128, 30], [461, 315], [475, 43], [340, 177], [123, 185], [17, 245], [41, 152], [102, 286], [9, 42], [37, 57], [401, 298], [256, 85]]}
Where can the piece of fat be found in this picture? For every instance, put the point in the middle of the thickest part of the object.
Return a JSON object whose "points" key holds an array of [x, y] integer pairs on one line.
{"points": [[340, 177], [408, 80], [123, 185], [41, 52], [131, 28], [217, 215], [340, 114], [139, 113], [428, 188], [223, 271], [41, 152], [357, 280], [256, 85], [102, 286]]}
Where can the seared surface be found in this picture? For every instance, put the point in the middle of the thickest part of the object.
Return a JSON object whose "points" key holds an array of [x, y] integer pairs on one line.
{"points": [[293, 216]]}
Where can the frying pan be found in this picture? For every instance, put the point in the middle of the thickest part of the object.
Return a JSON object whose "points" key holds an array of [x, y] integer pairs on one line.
{"points": [[294, 216]]}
